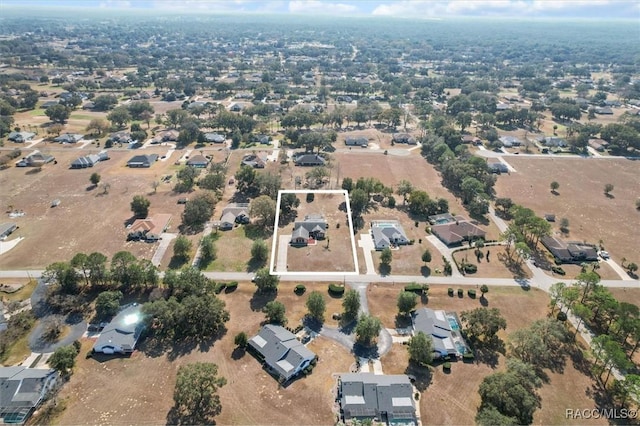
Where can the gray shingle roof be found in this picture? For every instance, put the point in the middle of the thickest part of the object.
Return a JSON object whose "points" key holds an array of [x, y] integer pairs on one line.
{"points": [[281, 350], [369, 395], [122, 333], [22, 388]]}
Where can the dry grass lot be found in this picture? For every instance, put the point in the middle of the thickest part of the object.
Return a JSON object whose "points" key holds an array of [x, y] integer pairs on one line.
{"points": [[457, 393], [335, 252], [495, 268], [581, 197], [139, 389]]}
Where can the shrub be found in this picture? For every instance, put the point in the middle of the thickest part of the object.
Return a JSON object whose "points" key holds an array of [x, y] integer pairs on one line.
{"points": [[299, 289], [450, 292], [558, 270], [219, 287], [446, 366], [471, 293], [412, 242], [468, 357], [561, 316], [336, 289], [460, 292], [232, 286], [310, 197], [416, 288], [470, 268]]}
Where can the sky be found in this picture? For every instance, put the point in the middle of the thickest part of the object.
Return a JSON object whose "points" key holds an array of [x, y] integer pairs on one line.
{"points": [[427, 9]]}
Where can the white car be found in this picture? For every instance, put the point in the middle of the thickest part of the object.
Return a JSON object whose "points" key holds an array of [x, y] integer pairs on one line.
{"points": [[604, 255]]}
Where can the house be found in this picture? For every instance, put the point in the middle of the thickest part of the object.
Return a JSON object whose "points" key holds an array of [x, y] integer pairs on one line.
{"points": [[214, 138], [122, 137], [454, 233], [20, 137], [383, 398], [23, 390], [283, 354], [253, 160], [498, 168], [604, 110], [122, 333], [235, 107], [361, 142], [68, 138], [47, 104], [35, 159], [232, 214], [570, 251], [510, 141], [313, 227], [554, 141], [388, 233], [88, 105], [502, 106], [309, 160], [403, 138], [7, 229], [473, 140], [198, 161], [599, 145], [142, 160], [84, 162], [443, 328], [261, 139], [149, 229]]}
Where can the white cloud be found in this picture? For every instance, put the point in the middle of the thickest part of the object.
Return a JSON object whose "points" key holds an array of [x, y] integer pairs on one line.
{"points": [[115, 4], [321, 7], [523, 8]]}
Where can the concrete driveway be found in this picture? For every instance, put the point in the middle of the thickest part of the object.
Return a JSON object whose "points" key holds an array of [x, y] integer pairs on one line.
{"points": [[446, 252], [162, 247], [366, 244], [283, 245]]}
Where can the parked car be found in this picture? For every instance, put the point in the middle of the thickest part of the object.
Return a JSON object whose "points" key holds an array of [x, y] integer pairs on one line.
{"points": [[182, 200], [605, 255]]}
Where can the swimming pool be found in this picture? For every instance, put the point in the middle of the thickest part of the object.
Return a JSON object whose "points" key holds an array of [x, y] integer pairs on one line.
{"points": [[461, 348], [453, 323]]}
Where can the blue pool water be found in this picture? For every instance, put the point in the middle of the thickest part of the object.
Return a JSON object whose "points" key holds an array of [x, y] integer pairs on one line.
{"points": [[460, 347], [453, 323]]}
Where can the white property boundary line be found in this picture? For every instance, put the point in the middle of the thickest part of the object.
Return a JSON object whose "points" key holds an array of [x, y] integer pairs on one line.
{"points": [[274, 244]]}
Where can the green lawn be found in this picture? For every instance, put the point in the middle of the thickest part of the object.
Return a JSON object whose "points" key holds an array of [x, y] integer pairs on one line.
{"points": [[38, 112], [234, 251]]}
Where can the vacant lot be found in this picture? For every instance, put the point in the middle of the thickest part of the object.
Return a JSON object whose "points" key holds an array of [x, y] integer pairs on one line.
{"points": [[139, 389], [581, 198], [496, 267], [335, 252], [457, 393]]}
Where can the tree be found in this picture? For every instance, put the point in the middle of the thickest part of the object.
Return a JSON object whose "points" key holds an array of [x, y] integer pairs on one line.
{"points": [[198, 211], [259, 251], [275, 312], [140, 206], [367, 329], [512, 393], [98, 125], [554, 187], [490, 416], [208, 251], [119, 116], [108, 303], [484, 289], [426, 256], [58, 113], [483, 324], [175, 117], [541, 344], [407, 301], [63, 359], [195, 394], [608, 188], [182, 249], [564, 225], [386, 256], [420, 349], [186, 178], [264, 208], [632, 267], [104, 102], [404, 189], [241, 339], [316, 305], [94, 179], [265, 282], [288, 202], [138, 108], [351, 303]]}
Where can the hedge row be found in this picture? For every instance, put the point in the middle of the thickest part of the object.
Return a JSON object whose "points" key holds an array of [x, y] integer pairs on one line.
{"points": [[336, 289], [417, 288]]}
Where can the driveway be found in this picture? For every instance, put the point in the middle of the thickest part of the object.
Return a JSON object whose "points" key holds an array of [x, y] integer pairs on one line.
{"points": [[446, 252], [283, 245], [165, 240], [619, 270], [366, 244]]}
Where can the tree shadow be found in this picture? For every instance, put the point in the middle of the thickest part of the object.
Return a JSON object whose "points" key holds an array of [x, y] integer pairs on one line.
{"points": [[609, 196], [347, 325], [420, 376], [384, 269], [484, 301], [238, 353], [402, 321], [364, 351], [314, 324], [254, 231], [260, 299], [175, 417], [425, 271], [489, 352], [255, 264], [177, 262]]}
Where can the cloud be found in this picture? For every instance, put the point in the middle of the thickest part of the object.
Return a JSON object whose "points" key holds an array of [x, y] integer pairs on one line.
{"points": [[321, 7], [115, 4], [499, 8]]}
